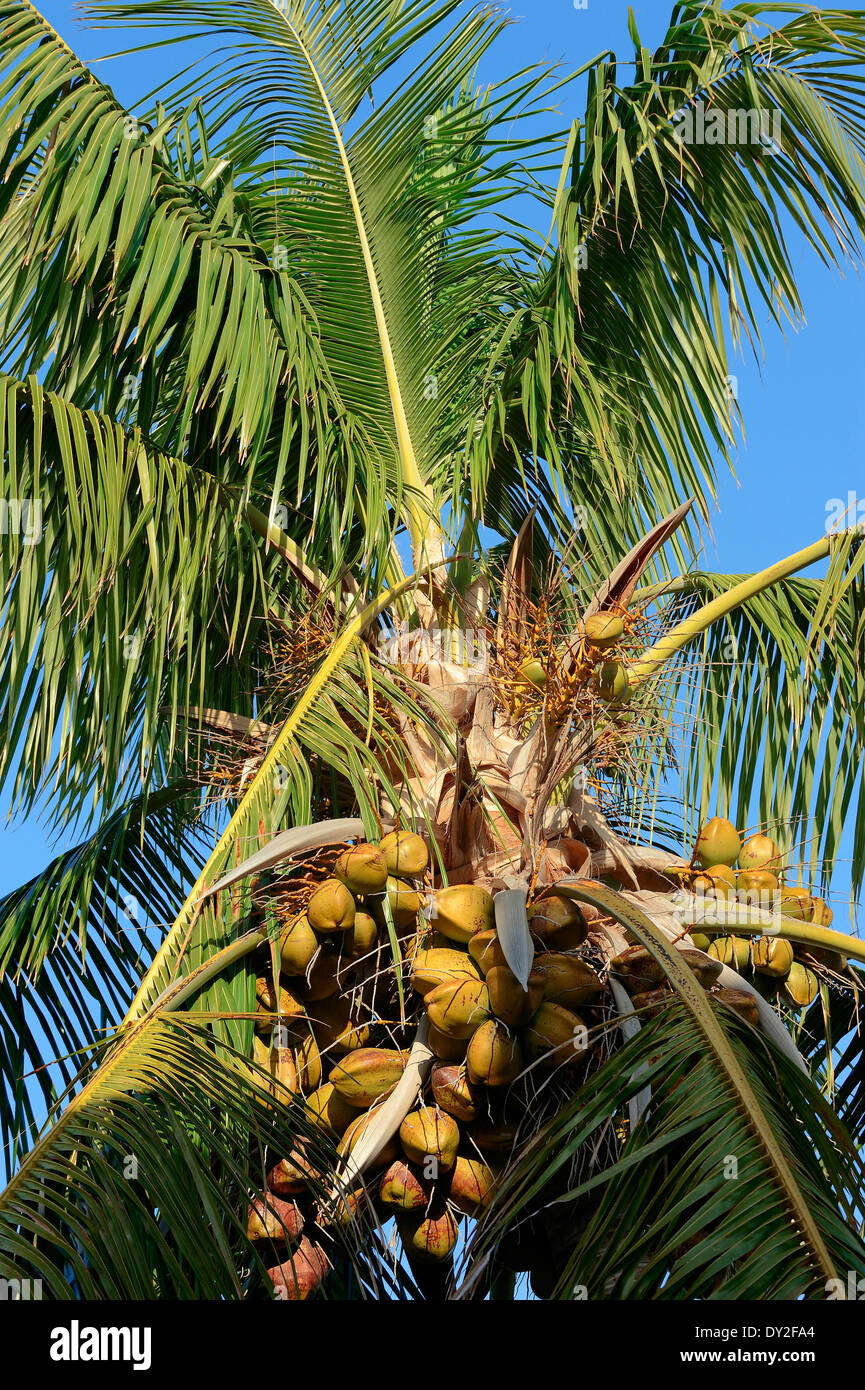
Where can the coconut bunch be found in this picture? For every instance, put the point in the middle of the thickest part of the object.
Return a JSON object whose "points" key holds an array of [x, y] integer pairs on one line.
{"points": [[732, 870]]}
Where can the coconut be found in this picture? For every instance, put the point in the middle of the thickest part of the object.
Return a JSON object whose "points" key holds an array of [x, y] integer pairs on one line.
{"points": [[650, 1002], [472, 1185], [534, 672], [831, 960], [734, 951], [362, 868], [604, 629], [452, 1092], [485, 950], [797, 903], [772, 956], [801, 986], [717, 843], [759, 852], [718, 882], [271, 1218], [706, 971], [558, 922], [331, 907], [406, 854], [446, 1048], [364, 1076], [458, 1009], [742, 1002], [301, 1274], [292, 1175], [822, 914], [297, 946], [308, 1061], [565, 979], [329, 1110], [494, 1056], [364, 935], [322, 978], [758, 886], [404, 901], [508, 1000], [701, 940], [555, 1036], [637, 968], [463, 910], [432, 968], [402, 1189], [430, 1137], [612, 682], [432, 1236], [386, 1155]]}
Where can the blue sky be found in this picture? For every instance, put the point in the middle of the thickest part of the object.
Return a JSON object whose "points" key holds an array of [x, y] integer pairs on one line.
{"points": [[804, 407]]}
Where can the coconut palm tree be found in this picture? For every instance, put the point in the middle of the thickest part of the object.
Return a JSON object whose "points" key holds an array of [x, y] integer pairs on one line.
{"points": [[289, 389]]}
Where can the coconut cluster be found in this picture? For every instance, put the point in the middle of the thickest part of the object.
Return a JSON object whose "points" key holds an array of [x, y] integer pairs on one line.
{"points": [[496, 1044], [750, 872]]}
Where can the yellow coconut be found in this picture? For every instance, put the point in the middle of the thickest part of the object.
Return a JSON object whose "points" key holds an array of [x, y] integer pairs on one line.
{"points": [[461, 911], [322, 978], [757, 887], [385, 1157], [329, 1110], [717, 843], [494, 1136], [555, 1036], [801, 986], [331, 907], [430, 1137], [734, 951], [362, 868], [485, 950], [759, 852], [604, 629], [494, 1056], [822, 915], [772, 956], [472, 1185], [362, 1077], [446, 1048], [308, 1060], [297, 946], [458, 1009], [565, 979], [406, 854], [432, 968], [402, 1189], [430, 1237], [362, 940], [797, 902], [452, 1091], [508, 1000], [404, 902]]}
